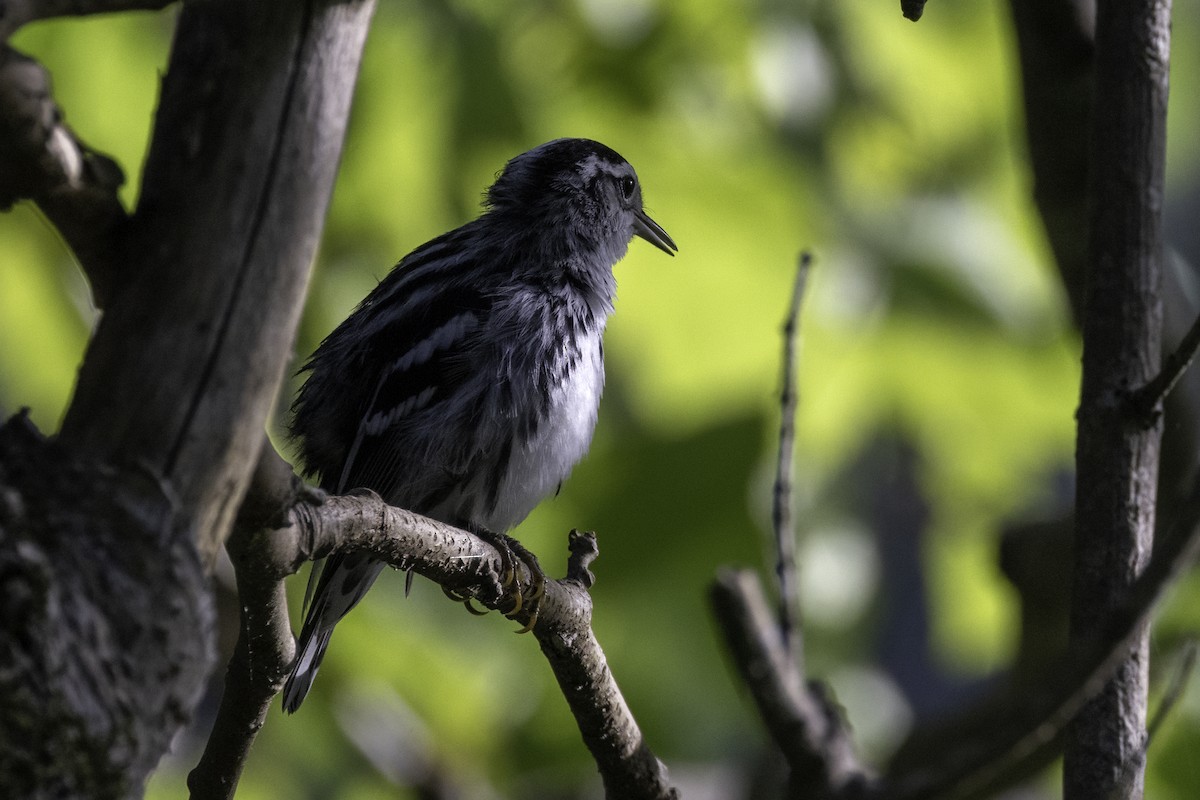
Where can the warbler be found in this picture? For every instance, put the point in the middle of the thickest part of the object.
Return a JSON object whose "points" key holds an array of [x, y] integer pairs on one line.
{"points": [[466, 385]]}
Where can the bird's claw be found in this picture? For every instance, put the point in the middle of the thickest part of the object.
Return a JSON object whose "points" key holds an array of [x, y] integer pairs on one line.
{"points": [[479, 612], [525, 600], [465, 600]]}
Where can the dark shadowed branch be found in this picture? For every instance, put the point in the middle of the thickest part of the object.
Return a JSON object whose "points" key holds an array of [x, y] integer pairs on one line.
{"points": [[1055, 49], [15, 13], [42, 160], [1117, 454], [455, 559], [801, 719], [265, 648], [1147, 399]]}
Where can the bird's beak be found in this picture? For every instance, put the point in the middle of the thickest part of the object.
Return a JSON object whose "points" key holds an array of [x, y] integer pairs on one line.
{"points": [[653, 233]]}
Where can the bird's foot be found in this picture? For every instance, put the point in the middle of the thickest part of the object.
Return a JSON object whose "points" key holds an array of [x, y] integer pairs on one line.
{"points": [[526, 600]]}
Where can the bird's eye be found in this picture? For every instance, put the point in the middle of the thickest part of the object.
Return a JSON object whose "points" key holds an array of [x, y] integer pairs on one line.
{"points": [[628, 184]]}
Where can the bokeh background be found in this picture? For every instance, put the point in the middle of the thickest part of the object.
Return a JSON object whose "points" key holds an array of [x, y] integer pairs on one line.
{"points": [[938, 378]]}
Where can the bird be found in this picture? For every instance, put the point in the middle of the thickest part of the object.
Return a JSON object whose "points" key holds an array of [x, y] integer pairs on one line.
{"points": [[466, 385]]}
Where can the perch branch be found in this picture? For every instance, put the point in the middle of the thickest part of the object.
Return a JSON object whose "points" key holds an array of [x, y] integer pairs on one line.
{"points": [[42, 160], [785, 536], [456, 560]]}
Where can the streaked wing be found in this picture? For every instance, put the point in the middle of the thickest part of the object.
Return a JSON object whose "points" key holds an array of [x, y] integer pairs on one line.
{"points": [[403, 380], [425, 375]]}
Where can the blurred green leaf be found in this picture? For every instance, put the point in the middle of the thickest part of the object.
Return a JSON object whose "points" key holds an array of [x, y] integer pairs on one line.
{"points": [[893, 151]]}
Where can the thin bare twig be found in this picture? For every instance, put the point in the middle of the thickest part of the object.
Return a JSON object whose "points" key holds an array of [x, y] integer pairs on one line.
{"points": [[781, 517], [1146, 399], [1174, 693]]}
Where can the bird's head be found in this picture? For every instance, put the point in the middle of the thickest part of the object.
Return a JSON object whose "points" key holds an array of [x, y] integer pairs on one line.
{"points": [[582, 188]]}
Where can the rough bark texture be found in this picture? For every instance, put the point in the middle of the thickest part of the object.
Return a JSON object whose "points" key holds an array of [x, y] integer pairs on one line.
{"points": [[1055, 43], [1117, 452], [629, 768], [104, 623]]}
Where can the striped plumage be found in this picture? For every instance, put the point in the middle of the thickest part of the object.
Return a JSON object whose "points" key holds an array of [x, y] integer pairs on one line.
{"points": [[465, 386]]}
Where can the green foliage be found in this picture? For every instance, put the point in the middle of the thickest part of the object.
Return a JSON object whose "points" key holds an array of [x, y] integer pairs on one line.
{"points": [[893, 151]]}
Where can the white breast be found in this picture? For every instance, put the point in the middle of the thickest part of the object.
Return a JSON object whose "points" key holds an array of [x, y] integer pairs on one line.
{"points": [[538, 467]]}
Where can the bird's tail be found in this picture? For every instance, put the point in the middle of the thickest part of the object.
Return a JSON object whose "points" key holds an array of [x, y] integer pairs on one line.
{"points": [[310, 651], [344, 580]]}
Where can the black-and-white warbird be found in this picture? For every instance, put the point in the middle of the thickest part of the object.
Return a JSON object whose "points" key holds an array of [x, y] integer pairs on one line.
{"points": [[465, 386]]}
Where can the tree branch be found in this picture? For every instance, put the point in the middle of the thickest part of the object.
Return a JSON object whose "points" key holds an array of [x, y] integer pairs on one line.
{"points": [[1146, 399], [41, 159], [16, 13], [265, 648], [799, 716], [781, 516], [912, 9], [1117, 455], [458, 561]]}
